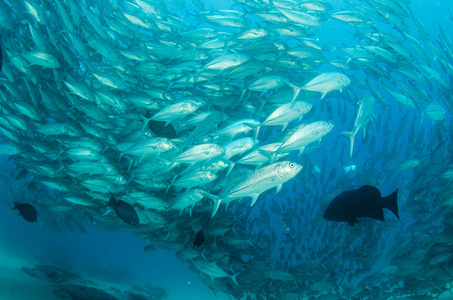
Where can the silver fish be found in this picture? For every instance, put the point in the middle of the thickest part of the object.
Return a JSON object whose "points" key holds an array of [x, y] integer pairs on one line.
{"points": [[258, 182], [327, 82], [364, 115]]}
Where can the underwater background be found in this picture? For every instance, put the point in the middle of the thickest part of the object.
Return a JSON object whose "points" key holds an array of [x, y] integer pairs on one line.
{"points": [[135, 60]]}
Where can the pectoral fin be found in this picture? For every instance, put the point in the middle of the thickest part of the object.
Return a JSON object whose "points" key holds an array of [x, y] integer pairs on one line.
{"points": [[254, 198]]}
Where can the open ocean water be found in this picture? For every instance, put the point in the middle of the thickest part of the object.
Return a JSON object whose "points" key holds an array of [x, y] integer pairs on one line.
{"points": [[140, 131]]}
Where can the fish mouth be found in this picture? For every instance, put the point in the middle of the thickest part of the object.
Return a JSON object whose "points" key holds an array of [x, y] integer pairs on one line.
{"points": [[298, 169]]}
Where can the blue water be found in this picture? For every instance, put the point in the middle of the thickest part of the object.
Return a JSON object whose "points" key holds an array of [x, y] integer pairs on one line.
{"points": [[115, 257], [288, 225]]}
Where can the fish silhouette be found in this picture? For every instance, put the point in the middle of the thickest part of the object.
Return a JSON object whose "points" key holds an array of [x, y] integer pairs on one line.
{"points": [[365, 202]]}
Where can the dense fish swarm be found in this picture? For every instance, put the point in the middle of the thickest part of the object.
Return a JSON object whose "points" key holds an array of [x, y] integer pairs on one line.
{"points": [[187, 115]]}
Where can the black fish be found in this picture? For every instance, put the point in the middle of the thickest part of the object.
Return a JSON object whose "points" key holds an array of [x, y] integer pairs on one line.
{"points": [[365, 202], [159, 129], [200, 238], [27, 211], [124, 210]]}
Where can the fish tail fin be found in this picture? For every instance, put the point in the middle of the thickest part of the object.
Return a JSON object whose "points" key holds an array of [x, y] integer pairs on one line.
{"points": [[171, 183], [145, 122], [191, 209], [230, 168], [257, 130], [350, 136], [233, 277], [168, 187], [269, 154], [203, 254], [390, 202], [286, 124], [217, 200], [242, 95], [296, 91], [216, 207]]}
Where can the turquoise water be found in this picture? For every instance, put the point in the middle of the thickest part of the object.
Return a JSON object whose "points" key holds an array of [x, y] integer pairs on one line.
{"points": [[107, 258], [135, 60]]}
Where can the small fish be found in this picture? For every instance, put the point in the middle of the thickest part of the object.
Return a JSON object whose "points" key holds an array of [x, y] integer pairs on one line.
{"points": [[27, 211], [124, 210], [349, 168], [175, 111], [365, 202], [22, 174], [200, 238], [45, 60], [364, 115], [327, 82]]}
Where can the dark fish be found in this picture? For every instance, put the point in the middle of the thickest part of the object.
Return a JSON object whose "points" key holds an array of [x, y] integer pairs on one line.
{"points": [[124, 210], [365, 202], [22, 174], [200, 238], [159, 128], [27, 211], [32, 187], [149, 248]]}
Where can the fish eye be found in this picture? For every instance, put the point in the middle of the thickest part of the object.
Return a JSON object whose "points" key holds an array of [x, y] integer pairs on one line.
{"points": [[292, 165]]}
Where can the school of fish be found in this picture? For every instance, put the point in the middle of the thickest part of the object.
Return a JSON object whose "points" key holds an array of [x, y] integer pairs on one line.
{"points": [[231, 129]]}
